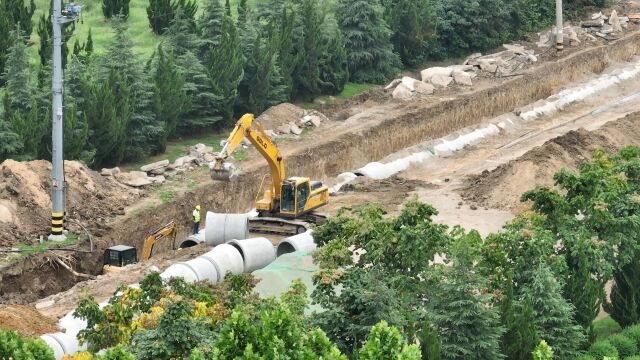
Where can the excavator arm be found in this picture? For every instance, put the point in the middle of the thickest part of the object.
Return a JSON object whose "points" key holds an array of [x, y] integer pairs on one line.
{"points": [[253, 131], [166, 231]]}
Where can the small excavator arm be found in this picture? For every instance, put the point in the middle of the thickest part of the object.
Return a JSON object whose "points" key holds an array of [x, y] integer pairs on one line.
{"points": [[166, 231], [253, 131]]}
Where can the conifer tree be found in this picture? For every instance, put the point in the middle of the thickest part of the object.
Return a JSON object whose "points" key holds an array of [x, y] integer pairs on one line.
{"points": [[288, 55], [88, 46], [46, 37], [413, 24], [334, 72], [624, 306], [227, 7], [160, 13], [19, 14], [306, 81], [368, 41], [170, 98], [18, 87], [31, 127], [10, 142], [227, 68], [210, 30], [188, 8], [5, 42], [111, 8]]}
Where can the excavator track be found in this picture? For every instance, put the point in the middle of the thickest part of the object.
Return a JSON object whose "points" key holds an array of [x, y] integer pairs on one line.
{"points": [[285, 227]]}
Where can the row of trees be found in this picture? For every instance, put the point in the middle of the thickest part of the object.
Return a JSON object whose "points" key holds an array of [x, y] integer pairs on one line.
{"points": [[208, 70]]}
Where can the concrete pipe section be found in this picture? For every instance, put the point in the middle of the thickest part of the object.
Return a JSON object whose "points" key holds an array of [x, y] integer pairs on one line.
{"points": [[221, 228], [301, 242], [193, 240], [61, 344], [226, 259], [256, 253]]}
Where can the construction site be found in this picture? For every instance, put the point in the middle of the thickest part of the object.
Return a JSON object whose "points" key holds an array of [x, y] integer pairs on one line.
{"points": [[467, 137]]}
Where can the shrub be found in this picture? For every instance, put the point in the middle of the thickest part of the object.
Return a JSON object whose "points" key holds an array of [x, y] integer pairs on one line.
{"points": [[625, 346], [634, 357], [602, 348], [14, 346], [633, 333], [585, 357]]}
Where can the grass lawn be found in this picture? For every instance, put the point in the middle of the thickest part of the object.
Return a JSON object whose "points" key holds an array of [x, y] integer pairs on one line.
{"points": [[606, 327], [350, 90]]}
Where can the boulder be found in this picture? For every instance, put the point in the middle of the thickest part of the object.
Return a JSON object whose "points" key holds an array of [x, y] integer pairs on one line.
{"points": [[488, 65], [572, 35], [284, 129], [592, 23], [515, 48], [158, 179], [295, 129], [471, 57], [614, 21], [110, 172], [409, 82], [311, 120], [160, 171], [424, 88], [183, 161], [462, 78], [270, 133], [155, 166], [134, 178], [392, 84], [427, 74], [199, 150], [596, 16], [402, 92], [441, 81]]}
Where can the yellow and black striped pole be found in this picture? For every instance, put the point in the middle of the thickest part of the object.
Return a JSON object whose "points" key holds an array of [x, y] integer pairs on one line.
{"points": [[57, 224]]}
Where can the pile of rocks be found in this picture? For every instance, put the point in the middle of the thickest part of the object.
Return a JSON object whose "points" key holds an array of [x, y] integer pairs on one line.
{"points": [[308, 118], [514, 58], [607, 27], [158, 172]]}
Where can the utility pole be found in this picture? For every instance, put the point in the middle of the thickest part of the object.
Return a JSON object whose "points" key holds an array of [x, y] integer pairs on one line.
{"points": [[58, 191], [559, 26]]}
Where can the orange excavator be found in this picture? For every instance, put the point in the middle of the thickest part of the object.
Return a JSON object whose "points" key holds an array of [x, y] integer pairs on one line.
{"points": [[119, 256]]}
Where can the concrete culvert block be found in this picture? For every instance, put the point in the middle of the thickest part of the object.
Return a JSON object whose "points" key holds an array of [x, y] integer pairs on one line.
{"points": [[226, 259], [180, 270], [256, 253], [204, 269], [300, 242], [58, 351], [221, 228], [192, 240]]}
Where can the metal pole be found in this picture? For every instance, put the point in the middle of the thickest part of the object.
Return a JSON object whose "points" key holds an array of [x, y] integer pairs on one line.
{"points": [[559, 26], [57, 161]]}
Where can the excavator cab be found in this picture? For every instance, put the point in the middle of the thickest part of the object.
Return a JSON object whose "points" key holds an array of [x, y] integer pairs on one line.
{"points": [[119, 256], [300, 195]]}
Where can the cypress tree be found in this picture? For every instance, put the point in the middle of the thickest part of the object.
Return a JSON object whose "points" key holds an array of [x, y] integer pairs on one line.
{"points": [[306, 81], [334, 71], [31, 127], [46, 37], [5, 41], [288, 56], [18, 13], [160, 13], [368, 41], [210, 30], [413, 25], [111, 8], [18, 88], [227, 8], [267, 84], [188, 8], [170, 98], [10, 142], [226, 70], [88, 46], [624, 307], [76, 135]]}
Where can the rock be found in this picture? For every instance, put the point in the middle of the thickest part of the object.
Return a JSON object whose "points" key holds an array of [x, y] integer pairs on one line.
{"points": [[155, 166], [572, 35], [158, 179], [592, 23], [270, 133], [392, 84], [471, 57], [284, 129], [199, 150], [159, 171], [402, 92], [313, 120], [532, 58], [462, 78], [44, 304], [424, 88], [596, 16], [295, 129], [184, 161], [427, 74], [488, 65], [546, 40], [441, 81], [516, 49], [110, 172], [409, 83], [134, 178], [614, 21]]}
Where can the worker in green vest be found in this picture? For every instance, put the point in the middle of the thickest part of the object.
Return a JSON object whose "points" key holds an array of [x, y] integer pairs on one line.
{"points": [[196, 219]]}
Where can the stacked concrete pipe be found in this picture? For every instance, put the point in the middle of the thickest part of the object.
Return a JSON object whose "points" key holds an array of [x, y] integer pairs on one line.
{"points": [[221, 228], [300, 242], [256, 253], [193, 240]]}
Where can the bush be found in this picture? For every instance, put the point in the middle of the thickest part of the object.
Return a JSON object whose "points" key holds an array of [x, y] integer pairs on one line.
{"points": [[633, 333], [602, 348], [13, 346], [634, 357], [585, 357], [626, 347]]}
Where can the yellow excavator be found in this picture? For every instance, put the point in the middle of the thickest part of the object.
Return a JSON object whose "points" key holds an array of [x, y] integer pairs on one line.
{"points": [[119, 256], [288, 205]]}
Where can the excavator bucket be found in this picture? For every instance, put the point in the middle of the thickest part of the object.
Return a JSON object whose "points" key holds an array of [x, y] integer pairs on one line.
{"points": [[226, 173]]}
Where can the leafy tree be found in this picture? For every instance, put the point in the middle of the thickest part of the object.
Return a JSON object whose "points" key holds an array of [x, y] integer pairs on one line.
{"points": [[170, 97], [413, 25], [386, 342], [368, 41], [111, 8], [532, 15], [160, 14]]}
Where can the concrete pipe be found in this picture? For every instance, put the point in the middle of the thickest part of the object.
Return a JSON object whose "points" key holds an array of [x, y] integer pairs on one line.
{"points": [[256, 253], [204, 269], [180, 270], [193, 240], [300, 242], [58, 351], [221, 228], [226, 259], [67, 343]]}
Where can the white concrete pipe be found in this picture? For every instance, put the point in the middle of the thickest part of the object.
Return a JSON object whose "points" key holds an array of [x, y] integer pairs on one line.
{"points": [[61, 343], [193, 240], [256, 253], [301, 242], [226, 259], [221, 228], [180, 270]]}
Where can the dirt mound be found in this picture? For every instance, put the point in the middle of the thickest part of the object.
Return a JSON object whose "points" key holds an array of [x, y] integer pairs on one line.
{"points": [[502, 187], [281, 114], [26, 320], [25, 205]]}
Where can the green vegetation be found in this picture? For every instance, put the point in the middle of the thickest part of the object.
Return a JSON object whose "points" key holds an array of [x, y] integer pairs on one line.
{"points": [[13, 346], [241, 155], [606, 327], [166, 196], [26, 250]]}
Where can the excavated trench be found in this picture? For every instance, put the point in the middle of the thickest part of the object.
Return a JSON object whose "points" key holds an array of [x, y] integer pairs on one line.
{"points": [[29, 280]]}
